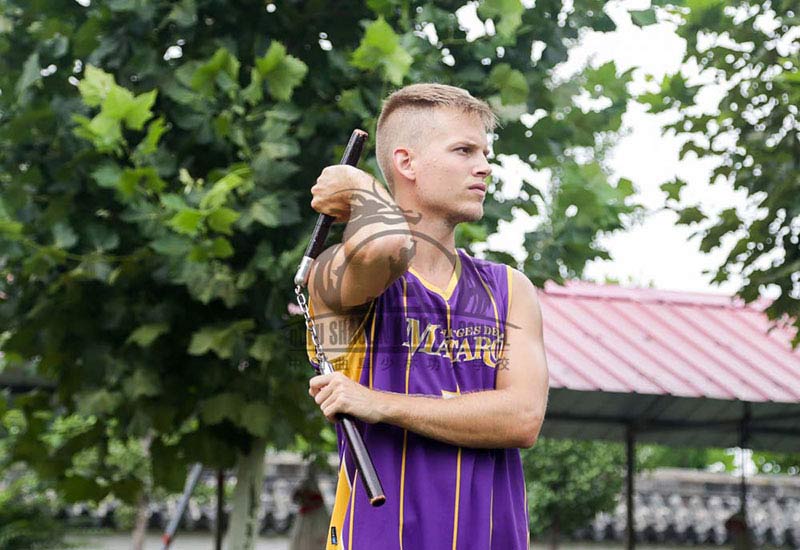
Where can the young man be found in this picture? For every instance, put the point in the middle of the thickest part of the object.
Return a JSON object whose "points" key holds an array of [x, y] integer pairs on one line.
{"points": [[445, 367]]}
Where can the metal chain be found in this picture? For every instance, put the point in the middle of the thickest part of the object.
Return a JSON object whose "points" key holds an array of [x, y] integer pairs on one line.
{"points": [[301, 301]]}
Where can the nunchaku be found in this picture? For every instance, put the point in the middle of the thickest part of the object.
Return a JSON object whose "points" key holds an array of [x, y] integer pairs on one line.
{"points": [[354, 441]]}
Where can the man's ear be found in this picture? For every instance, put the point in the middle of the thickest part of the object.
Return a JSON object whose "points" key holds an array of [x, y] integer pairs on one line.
{"points": [[402, 159]]}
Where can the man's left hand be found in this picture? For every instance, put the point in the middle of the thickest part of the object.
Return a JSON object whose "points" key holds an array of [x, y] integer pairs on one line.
{"points": [[337, 394]]}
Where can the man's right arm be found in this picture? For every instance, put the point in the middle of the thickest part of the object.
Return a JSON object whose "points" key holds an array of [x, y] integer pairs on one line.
{"points": [[376, 247]]}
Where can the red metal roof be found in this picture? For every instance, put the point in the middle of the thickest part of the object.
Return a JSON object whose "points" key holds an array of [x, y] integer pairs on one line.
{"points": [[639, 340]]}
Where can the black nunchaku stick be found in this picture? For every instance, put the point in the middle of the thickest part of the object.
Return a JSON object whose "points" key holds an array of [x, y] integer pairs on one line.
{"points": [[354, 441]]}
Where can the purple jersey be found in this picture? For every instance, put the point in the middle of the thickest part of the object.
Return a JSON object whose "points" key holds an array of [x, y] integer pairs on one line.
{"points": [[420, 340]]}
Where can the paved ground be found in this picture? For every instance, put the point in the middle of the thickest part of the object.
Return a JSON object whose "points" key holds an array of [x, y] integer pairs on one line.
{"points": [[182, 542], [200, 542]]}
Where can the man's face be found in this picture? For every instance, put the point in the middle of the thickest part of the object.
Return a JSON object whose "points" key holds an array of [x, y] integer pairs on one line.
{"points": [[450, 165]]}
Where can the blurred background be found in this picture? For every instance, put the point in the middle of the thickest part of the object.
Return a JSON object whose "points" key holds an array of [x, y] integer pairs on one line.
{"points": [[155, 165]]}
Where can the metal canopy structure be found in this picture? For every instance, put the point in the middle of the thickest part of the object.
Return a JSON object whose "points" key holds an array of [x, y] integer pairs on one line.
{"points": [[680, 368], [675, 368], [674, 421]]}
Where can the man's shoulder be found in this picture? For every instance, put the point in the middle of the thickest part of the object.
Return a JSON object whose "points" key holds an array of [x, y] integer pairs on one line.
{"points": [[518, 282], [494, 268]]}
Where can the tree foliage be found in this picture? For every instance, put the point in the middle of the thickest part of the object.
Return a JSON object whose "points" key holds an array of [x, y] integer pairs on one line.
{"points": [[156, 164], [750, 50], [658, 456], [569, 482]]}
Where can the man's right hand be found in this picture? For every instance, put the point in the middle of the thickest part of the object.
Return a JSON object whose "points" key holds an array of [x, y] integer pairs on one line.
{"points": [[335, 188]]}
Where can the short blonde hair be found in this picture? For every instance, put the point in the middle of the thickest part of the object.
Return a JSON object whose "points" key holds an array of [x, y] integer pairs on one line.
{"points": [[423, 97]]}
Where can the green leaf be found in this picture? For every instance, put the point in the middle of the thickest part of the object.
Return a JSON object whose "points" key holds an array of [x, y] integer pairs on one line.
{"points": [[728, 222], [121, 105], [218, 193], [100, 402], [147, 334], [255, 418], [673, 188], [279, 150], [118, 102], [101, 237], [31, 73], [204, 78], [468, 233], [262, 348], [95, 85], [183, 13], [510, 82], [351, 101], [221, 220], [380, 49], [143, 383], [266, 211], [140, 111], [171, 245], [188, 221], [282, 72], [220, 340], [9, 227], [643, 18], [253, 93], [221, 248], [275, 211], [103, 131], [64, 236], [107, 175], [381, 7], [508, 12], [690, 215], [173, 201], [225, 406], [143, 179]]}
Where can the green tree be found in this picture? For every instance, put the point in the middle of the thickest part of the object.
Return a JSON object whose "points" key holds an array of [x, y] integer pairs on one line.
{"points": [[745, 47], [649, 457], [569, 482], [777, 463], [27, 516], [156, 164]]}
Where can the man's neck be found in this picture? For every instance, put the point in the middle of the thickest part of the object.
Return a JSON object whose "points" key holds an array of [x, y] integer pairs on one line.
{"points": [[434, 256]]}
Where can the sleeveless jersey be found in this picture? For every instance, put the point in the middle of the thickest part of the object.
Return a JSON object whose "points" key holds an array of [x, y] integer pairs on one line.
{"points": [[417, 339]]}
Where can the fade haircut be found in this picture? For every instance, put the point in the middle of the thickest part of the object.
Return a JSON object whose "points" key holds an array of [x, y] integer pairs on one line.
{"points": [[395, 120]]}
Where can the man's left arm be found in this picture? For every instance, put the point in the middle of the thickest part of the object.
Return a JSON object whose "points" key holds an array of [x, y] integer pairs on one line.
{"points": [[510, 415]]}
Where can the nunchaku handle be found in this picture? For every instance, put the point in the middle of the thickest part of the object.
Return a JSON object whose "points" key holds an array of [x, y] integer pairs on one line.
{"points": [[359, 453], [355, 442], [315, 246], [363, 462]]}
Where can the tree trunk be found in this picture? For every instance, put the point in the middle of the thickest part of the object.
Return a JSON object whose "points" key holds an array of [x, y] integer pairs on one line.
{"points": [[140, 526], [555, 535], [244, 526]]}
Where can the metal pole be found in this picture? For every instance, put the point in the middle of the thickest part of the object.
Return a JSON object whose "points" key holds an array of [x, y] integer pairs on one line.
{"points": [[744, 436], [220, 508], [630, 451], [188, 488]]}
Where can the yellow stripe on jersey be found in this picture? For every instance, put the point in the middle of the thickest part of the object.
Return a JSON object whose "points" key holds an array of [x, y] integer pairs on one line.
{"points": [[339, 508], [496, 314], [510, 277], [352, 511], [458, 497], [405, 432], [371, 340], [351, 362], [491, 513]]}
